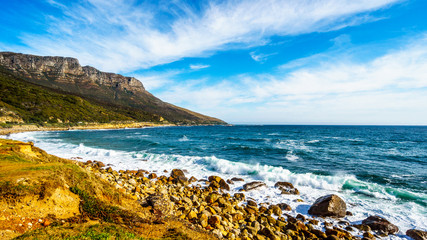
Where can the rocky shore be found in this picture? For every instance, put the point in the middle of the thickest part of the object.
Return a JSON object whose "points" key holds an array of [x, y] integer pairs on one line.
{"points": [[208, 205], [43, 196]]}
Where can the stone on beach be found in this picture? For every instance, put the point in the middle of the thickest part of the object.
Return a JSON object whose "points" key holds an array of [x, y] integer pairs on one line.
{"points": [[254, 186], [286, 188], [417, 234], [328, 206], [381, 225]]}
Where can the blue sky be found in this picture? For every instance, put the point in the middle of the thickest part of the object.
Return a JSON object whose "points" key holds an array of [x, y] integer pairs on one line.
{"points": [[249, 61]]}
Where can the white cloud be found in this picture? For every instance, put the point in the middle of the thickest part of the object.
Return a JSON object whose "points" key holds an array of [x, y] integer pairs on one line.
{"points": [[390, 89], [124, 35], [260, 57], [198, 66]]}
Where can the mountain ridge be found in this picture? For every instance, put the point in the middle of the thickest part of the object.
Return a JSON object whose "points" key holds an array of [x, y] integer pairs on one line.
{"points": [[65, 74]]}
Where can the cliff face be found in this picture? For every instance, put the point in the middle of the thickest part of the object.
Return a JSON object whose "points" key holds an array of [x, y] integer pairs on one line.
{"points": [[66, 70], [126, 94]]}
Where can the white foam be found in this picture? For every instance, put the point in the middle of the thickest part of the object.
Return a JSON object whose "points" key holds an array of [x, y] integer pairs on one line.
{"points": [[291, 156], [184, 139]]}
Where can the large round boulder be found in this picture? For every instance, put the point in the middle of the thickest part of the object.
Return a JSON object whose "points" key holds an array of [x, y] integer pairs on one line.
{"points": [[381, 225], [328, 206]]}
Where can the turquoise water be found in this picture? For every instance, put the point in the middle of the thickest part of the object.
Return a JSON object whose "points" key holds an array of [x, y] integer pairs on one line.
{"points": [[376, 169]]}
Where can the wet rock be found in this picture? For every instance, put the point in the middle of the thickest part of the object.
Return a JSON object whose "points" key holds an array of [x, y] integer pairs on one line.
{"points": [[252, 203], [237, 179], [381, 225], [177, 173], [254, 186], [192, 179], [329, 205], [224, 185], [417, 234], [285, 206], [286, 188]]}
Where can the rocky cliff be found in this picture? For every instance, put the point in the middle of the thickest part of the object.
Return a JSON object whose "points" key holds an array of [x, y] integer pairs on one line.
{"points": [[125, 94], [66, 70]]}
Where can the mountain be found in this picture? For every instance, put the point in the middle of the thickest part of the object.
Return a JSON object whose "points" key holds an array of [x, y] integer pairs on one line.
{"points": [[117, 97]]}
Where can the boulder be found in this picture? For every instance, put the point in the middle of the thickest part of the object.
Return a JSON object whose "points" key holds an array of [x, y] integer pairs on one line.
{"points": [[177, 173], [329, 205], [235, 179], [224, 185], [285, 207], [254, 185], [286, 188], [381, 225], [160, 203], [417, 234]]}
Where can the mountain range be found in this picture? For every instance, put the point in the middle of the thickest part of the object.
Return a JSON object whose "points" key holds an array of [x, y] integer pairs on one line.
{"points": [[36, 89]]}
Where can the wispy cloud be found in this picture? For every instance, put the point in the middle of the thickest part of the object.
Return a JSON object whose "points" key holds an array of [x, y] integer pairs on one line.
{"points": [[391, 88], [260, 57], [126, 35], [198, 66]]}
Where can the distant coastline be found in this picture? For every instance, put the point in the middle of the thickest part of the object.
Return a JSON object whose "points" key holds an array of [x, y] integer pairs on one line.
{"points": [[33, 127]]}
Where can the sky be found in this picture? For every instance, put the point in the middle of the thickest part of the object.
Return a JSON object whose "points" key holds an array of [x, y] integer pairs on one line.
{"points": [[245, 61]]}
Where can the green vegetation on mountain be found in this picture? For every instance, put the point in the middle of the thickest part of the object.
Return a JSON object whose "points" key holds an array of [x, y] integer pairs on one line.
{"points": [[36, 104]]}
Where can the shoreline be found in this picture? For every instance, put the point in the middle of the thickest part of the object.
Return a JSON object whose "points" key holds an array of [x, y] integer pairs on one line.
{"points": [[122, 177], [88, 126]]}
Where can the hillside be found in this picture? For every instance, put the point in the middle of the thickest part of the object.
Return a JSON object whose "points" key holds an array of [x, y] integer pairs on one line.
{"points": [[46, 197], [46, 89]]}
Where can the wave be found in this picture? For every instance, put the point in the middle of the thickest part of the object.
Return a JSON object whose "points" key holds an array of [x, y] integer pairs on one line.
{"points": [[184, 139]]}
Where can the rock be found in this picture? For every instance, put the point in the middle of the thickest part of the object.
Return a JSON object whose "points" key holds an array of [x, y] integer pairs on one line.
{"points": [[417, 234], [99, 164], [214, 179], [329, 205], [215, 220], [224, 185], [46, 223], [239, 196], [368, 235], [269, 233], [348, 213], [160, 203], [192, 179], [237, 179], [254, 186], [284, 206], [177, 173], [152, 176], [252, 203], [276, 210], [286, 188], [181, 180], [381, 225]]}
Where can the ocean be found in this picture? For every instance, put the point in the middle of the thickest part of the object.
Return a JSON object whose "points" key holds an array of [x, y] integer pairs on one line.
{"points": [[377, 170]]}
